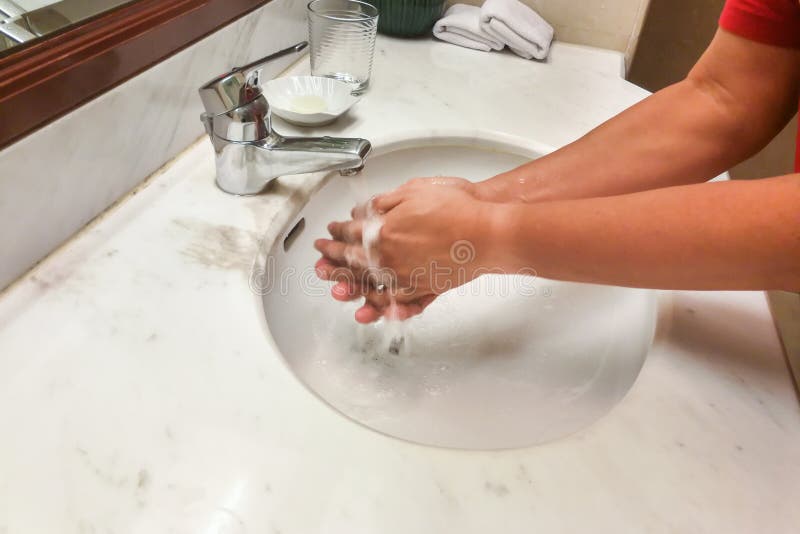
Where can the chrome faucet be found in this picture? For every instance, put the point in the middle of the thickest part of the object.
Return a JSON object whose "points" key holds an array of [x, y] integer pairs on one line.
{"points": [[249, 153]]}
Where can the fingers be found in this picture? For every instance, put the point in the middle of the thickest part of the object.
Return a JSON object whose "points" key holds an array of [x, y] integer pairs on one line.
{"points": [[325, 268], [381, 204], [385, 298], [386, 202], [345, 262], [360, 211], [377, 303], [376, 306], [349, 232], [378, 205], [364, 210], [350, 285], [335, 272], [376, 286], [344, 292], [369, 313], [342, 253]]}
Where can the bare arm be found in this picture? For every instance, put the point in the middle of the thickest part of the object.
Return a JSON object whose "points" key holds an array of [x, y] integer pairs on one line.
{"points": [[738, 96], [729, 235], [734, 235], [620, 206]]}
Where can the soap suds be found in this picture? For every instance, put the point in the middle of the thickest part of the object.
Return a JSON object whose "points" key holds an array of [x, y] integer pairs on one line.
{"points": [[393, 330]]}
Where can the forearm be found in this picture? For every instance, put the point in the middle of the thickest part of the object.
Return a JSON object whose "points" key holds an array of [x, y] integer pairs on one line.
{"points": [[729, 235], [727, 109], [676, 136]]}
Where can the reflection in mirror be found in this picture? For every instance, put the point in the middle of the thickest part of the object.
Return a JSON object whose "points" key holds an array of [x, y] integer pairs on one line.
{"points": [[24, 21]]}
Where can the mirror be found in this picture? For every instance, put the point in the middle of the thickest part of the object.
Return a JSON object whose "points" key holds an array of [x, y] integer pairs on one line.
{"points": [[25, 21], [55, 55]]}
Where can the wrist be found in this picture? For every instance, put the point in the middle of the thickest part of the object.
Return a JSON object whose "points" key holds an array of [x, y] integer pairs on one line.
{"points": [[494, 236], [486, 191], [521, 185]]}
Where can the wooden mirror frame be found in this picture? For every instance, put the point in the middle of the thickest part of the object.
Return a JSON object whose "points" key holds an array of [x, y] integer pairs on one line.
{"points": [[48, 78]]}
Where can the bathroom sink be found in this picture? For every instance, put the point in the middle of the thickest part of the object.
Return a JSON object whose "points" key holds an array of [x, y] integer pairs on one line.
{"points": [[503, 362]]}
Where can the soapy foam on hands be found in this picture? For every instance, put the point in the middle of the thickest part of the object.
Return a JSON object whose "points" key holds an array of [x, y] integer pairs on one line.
{"points": [[369, 236], [394, 331]]}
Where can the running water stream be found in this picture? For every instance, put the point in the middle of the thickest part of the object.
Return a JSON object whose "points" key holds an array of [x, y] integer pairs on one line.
{"points": [[394, 332]]}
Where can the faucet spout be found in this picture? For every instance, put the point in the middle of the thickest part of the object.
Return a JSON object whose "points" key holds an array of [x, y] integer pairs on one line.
{"points": [[248, 168], [249, 152], [314, 154]]}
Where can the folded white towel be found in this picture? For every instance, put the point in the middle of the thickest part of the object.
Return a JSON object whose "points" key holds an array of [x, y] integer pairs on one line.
{"points": [[520, 27], [461, 25]]}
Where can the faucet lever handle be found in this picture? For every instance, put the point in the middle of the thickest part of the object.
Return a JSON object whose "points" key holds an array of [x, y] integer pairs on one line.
{"points": [[239, 86]]}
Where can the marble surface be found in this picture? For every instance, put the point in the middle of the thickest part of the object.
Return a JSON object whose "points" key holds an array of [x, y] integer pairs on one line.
{"points": [[141, 392], [30, 5], [59, 178]]}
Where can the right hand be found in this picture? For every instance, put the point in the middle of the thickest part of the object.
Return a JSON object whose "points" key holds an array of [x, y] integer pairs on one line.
{"points": [[415, 233]]}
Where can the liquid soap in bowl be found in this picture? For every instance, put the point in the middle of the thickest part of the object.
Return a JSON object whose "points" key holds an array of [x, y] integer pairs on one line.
{"points": [[309, 104]]}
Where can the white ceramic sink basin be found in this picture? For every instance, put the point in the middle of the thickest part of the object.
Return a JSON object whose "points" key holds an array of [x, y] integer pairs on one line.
{"points": [[505, 362]]}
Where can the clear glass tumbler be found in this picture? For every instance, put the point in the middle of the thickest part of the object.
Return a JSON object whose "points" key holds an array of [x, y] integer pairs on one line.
{"points": [[342, 36]]}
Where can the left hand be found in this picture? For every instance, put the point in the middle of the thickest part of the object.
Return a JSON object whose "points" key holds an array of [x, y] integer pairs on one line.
{"points": [[434, 237]]}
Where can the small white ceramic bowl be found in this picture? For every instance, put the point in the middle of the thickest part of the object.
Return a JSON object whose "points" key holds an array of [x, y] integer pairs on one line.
{"points": [[309, 100]]}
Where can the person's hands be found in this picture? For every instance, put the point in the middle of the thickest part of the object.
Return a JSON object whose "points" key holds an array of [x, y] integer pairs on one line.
{"points": [[434, 236]]}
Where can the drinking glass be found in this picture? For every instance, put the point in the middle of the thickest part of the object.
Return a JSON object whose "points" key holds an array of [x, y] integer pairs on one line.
{"points": [[342, 36]]}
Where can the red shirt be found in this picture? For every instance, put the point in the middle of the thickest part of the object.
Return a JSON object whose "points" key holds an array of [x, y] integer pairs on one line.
{"points": [[772, 22]]}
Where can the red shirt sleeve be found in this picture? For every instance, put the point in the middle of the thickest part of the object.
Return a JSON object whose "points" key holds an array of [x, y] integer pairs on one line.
{"points": [[772, 22]]}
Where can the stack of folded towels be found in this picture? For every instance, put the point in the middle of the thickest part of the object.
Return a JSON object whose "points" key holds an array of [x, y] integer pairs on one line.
{"points": [[494, 25]]}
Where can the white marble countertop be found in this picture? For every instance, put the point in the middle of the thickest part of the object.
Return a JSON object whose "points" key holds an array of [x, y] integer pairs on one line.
{"points": [[140, 391]]}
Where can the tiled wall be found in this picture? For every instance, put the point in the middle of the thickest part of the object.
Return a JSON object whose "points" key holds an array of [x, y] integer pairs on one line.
{"points": [[57, 179], [611, 24]]}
